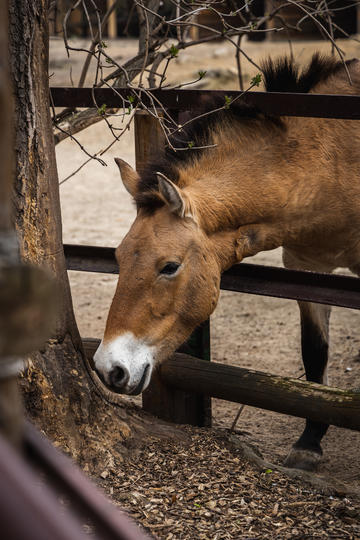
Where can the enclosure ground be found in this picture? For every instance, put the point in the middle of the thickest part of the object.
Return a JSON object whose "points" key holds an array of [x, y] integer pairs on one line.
{"points": [[161, 481], [202, 488]]}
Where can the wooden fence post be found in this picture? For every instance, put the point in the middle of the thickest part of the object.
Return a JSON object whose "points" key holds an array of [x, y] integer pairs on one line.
{"points": [[160, 400], [180, 406], [149, 138], [112, 22]]}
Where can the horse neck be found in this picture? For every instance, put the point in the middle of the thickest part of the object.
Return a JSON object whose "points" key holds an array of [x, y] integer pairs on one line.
{"points": [[243, 180]]}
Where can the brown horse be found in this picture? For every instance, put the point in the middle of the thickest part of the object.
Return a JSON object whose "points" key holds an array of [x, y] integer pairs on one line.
{"points": [[262, 182]]}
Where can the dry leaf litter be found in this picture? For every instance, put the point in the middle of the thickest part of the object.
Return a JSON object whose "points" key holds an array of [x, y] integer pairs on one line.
{"points": [[204, 488]]}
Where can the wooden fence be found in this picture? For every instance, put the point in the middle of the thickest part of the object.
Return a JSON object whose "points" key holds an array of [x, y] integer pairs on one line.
{"points": [[182, 389]]}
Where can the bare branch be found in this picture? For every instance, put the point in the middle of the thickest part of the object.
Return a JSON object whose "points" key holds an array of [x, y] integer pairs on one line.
{"points": [[162, 38]]}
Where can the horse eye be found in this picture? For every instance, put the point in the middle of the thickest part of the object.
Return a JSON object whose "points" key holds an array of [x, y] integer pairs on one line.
{"points": [[169, 268]]}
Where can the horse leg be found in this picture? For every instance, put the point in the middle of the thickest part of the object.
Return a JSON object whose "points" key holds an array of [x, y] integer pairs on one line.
{"points": [[306, 452]]}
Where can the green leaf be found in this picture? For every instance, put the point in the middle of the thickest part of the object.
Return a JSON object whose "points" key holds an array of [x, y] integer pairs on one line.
{"points": [[197, 505], [109, 61], [131, 99], [103, 44], [102, 110], [228, 101], [202, 74], [268, 471], [255, 81], [190, 144], [174, 51]]}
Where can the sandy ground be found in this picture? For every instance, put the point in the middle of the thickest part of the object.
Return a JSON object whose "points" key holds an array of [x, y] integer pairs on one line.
{"points": [[248, 331]]}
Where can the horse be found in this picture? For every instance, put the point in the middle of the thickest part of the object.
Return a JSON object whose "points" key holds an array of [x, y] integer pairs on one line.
{"points": [[248, 182]]}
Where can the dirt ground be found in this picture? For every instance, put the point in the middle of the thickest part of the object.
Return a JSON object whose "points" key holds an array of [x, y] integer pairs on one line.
{"points": [[246, 330]]}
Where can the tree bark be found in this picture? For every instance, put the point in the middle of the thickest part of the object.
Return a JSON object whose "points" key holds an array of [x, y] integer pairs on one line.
{"points": [[62, 395], [10, 402], [56, 383]]}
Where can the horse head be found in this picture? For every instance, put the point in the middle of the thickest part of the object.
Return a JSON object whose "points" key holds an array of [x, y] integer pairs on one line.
{"points": [[169, 281]]}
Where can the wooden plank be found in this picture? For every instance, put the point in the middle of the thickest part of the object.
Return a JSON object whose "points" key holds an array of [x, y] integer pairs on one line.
{"points": [[332, 289], [85, 258], [198, 345], [182, 406], [185, 374], [172, 404], [112, 22], [149, 139], [280, 394], [194, 30], [276, 103]]}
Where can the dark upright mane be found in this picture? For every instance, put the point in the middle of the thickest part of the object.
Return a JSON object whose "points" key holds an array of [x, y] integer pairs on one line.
{"points": [[189, 145], [282, 75]]}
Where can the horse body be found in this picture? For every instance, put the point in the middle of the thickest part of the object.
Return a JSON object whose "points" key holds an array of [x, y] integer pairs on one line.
{"points": [[266, 183]]}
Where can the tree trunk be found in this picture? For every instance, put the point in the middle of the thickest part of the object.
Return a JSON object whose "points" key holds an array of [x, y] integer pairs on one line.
{"points": [[10, 406], [61, 394], [58, 393]]}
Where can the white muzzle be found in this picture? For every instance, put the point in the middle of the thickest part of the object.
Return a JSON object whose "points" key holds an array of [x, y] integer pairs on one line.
{"points": [[125, 363]]}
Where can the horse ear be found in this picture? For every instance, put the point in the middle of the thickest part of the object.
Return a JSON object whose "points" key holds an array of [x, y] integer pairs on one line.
{"points": [[129, 176], [174, 197], [171, 194]]}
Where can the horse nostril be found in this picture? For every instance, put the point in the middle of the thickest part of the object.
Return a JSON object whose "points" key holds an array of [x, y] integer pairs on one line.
{"points": [[118, 377]]}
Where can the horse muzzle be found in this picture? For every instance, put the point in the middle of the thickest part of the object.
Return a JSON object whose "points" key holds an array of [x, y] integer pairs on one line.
{"points": [[125, 364]]}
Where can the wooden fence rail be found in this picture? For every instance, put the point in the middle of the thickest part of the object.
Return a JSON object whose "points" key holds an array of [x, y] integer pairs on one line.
{"points": [[336, 290], [183, 374], [278, 103], [249, 387]]}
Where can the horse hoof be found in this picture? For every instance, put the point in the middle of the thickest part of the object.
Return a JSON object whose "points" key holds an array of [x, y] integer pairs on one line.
{"points": [[307, 460]]}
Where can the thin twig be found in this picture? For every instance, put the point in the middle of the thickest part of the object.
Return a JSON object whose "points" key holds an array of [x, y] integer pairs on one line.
{"points": [[238, 62], [233, 425], [102, 162], [155, 47], [93, 45]]}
